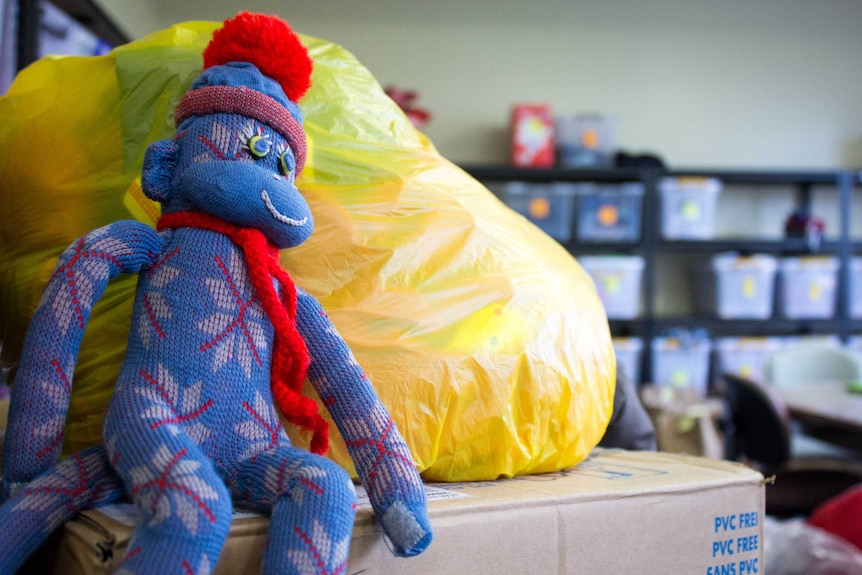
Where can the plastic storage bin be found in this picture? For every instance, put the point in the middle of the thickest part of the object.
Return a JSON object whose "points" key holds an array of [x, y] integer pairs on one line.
{"points": [[628, 352], [808, 287], [856, 288], [815, 339], [681, 363], [609, 212], [688, 207], [618, 283], [586, 140], [549, 206], [746, 356], [854, 344], [736, 287]]}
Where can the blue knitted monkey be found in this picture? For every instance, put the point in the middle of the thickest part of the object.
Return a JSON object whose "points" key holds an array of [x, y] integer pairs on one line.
{"points": [[220, 336]]}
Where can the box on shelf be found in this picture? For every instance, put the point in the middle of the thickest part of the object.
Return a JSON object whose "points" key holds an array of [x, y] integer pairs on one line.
{"points": [[669, 513], [628, 353], [549, 206], [688, 206], [746, 356], [586, 140], [532, 136], [736, 287], [685, 421], [681, 362], [609, 212], [808, 287], [618, 282]]}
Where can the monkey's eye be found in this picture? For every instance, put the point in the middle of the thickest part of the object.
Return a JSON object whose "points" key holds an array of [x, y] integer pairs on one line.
{"points": [[259, 146], [286, 163]]}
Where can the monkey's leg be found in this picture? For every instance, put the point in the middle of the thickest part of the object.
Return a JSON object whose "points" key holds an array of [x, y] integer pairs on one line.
{"points": [[80, 482], [312, 503]]}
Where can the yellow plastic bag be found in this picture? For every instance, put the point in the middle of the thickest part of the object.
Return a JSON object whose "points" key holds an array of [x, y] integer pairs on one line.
{"points": [[483, 337]]}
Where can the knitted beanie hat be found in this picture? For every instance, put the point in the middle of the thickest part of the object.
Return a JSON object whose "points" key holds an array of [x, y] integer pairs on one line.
{"points": [[256, 66]]}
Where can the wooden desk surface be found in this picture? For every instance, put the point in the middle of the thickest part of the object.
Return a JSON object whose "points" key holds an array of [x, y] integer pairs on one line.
{"points": [[827, 402]]}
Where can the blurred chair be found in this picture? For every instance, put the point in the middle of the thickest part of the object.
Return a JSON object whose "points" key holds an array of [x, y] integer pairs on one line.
{"points": [[810, 363], [757, 433]]}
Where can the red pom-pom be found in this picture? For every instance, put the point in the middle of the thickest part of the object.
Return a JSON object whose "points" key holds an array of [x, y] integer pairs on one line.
{"points": [[268, 43]]}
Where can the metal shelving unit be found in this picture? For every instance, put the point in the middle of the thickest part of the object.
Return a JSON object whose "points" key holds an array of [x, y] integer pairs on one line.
{"points": [[650, 245]]}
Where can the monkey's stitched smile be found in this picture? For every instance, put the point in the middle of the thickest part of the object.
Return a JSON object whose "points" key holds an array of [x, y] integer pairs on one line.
{"points": [[278, 215]]}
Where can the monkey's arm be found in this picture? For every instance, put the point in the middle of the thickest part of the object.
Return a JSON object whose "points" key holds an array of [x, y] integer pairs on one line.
{"points": [[382, 458], [43, 383]]}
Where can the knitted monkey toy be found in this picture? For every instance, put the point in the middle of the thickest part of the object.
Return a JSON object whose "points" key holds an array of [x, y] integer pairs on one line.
{"points": [[220, 336]]}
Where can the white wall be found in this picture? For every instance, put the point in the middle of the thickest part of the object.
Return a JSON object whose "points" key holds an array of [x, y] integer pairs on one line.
{"points": [[704, 83]]}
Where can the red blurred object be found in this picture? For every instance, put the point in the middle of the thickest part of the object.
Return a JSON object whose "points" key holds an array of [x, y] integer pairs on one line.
{"points": [[841, 516], [532, 136], [802, 225], [406, 100]]}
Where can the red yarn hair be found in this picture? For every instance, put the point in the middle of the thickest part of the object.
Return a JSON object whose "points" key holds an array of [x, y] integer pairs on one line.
{"points": [[268, 43]]}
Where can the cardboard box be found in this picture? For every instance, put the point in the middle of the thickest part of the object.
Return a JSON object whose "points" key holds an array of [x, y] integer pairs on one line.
{"points": [[685, 421], [617, 512]]}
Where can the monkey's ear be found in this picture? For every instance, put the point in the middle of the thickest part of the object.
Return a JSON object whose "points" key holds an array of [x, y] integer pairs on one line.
{"points": [[160, 161]]}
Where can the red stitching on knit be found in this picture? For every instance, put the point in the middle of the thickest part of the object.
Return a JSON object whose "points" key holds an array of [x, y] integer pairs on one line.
{"points": [[178, 417], [63, 377], [151, 316], [273, 431], [148, 308], [162, 261], [70, 494], [244, 305], [182, 418], [321, 566], [47, 450], [164, 486], [311, 485], [212, 147], [382, 451], [68, 269], [151, 379], [379, 443]]}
